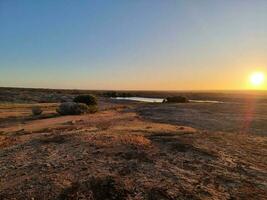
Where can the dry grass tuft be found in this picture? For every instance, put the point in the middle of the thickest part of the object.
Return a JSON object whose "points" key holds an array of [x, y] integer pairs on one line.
{"points": [[6, 141], [112, 140]]}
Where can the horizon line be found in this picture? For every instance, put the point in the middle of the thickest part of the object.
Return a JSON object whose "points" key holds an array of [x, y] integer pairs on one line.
{"points": [[139, 90]]}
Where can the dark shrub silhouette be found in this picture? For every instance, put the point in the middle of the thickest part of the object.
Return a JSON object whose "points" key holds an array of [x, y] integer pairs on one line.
{"points": [[125, 94], [36, 110], [117, 94], [72, 108], [176, 99], [110, 94], [86, 99]]}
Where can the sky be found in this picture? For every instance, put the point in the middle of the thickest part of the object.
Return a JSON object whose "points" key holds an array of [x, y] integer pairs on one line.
{"points": [[132, 44]]}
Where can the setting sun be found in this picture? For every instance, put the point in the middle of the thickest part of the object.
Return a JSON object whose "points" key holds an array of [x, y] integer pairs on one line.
{"points": [[257, 79]]}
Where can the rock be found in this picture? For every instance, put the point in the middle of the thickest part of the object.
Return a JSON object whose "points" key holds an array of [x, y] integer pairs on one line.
{"points": [[47, 165]]}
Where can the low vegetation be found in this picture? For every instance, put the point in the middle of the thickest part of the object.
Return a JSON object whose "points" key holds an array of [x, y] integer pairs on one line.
{"points": [[39, 95], [81, 104], [133, 151], [176, 99], [72, 108], [36, 110], [92, 109], [89, 100], [114, 94], [110, 94]]}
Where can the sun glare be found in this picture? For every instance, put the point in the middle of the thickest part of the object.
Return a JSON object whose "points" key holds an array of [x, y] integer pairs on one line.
{"points": [[257, 79]]}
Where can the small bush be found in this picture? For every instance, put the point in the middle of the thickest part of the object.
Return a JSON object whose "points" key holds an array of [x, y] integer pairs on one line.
{"points": [[86, 99], [72, 108], [176, 99], [36, 110], [82, 108]]}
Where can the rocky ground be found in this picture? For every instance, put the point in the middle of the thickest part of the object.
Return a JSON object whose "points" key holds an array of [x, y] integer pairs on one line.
{"points": [[121, 153]]}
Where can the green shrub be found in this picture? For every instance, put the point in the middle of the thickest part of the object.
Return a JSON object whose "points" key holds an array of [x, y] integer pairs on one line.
{"points": [[82, 108], [176, 99], [36, 110], [72, 108], [86, 99]]}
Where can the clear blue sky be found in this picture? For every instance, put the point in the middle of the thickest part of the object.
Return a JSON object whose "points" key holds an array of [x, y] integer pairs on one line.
{"points": [[135, 44]]}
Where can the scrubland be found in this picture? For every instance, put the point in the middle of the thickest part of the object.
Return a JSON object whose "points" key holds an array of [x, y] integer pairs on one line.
{"points": [[130, 150]]}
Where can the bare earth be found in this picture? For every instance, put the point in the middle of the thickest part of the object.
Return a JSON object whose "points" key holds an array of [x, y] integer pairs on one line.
{"points": [[129, 151]]}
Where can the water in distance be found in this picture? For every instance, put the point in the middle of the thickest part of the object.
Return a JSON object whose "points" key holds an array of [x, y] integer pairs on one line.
{"points": [[143, 99], [160, 100]]}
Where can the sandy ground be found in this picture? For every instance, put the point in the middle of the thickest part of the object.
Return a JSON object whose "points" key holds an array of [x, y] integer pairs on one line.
{"points": [[249, 117], [122, 153]]}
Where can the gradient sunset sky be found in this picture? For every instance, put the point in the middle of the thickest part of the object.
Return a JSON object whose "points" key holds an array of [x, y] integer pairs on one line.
{"points": [[132, 44]]}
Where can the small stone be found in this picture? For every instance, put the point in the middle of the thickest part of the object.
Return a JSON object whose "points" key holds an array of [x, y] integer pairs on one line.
{"points": [[48, 165]]}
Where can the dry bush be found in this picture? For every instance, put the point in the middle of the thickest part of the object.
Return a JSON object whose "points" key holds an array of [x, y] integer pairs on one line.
{"points": [[72, 108], [176, 99], [36, 110], [89, 100], [92, 109]]}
